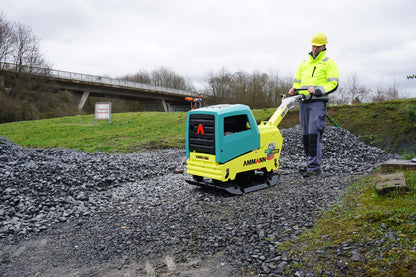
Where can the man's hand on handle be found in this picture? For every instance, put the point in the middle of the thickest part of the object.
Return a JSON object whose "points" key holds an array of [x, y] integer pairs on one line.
{"points": [[293, 91]]}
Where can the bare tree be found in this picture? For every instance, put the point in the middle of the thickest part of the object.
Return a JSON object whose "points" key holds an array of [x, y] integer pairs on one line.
{"points": [[277, 87], [355, 90], [393, 92], [142, 77], [339, 97], [239, 88], [218, 84], [257, 93], [30, 66], [162, 77], [26, 51], [165, 77], [384, 94], [379, 95], [256, 89], [20, 46], [6, 39]]}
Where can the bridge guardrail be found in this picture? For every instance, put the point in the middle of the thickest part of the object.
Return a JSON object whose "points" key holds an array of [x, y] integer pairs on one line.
{"points": [[91, 78]]}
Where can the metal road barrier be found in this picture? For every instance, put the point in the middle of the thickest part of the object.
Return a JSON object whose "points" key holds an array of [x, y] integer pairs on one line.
{"points": [[59, 74]]}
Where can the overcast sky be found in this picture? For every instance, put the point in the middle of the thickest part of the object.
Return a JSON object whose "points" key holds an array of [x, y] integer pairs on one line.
{"points": [[374, 39]]}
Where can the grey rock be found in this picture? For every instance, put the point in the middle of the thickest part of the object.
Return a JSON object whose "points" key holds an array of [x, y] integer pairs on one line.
{"points": [[134, 205], [282, 265], [357, 257]]}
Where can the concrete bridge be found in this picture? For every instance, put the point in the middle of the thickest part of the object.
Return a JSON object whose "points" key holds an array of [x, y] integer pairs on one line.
{"points": [[153, 98]]}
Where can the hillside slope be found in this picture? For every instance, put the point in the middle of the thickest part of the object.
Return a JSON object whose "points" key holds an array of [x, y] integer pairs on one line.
{"points": [[390, 125]]}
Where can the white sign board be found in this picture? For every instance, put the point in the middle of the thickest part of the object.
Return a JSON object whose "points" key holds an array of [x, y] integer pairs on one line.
{"points": [[102, 111]]}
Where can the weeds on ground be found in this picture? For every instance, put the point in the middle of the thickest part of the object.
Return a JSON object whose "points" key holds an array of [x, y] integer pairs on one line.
{"points": [[366, 234], [407, 155]]}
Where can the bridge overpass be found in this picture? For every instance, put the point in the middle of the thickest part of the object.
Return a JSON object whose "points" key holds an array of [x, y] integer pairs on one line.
{"points": [[153, 98]]}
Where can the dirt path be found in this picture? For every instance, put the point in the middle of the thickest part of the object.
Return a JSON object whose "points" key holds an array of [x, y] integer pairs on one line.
{"points": [[42, 257]]}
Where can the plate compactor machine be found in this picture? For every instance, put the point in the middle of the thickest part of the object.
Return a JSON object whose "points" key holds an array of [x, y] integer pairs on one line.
{"points": [[227, 150]]}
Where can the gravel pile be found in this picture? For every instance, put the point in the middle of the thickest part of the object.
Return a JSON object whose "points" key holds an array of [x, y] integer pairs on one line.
{"points": [[133, 207], [342, 152], [44, 186]]}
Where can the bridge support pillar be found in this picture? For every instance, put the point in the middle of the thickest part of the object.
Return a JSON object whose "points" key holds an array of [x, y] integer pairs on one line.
{"points": [[1, 82], [165, 106], [84, 98]]}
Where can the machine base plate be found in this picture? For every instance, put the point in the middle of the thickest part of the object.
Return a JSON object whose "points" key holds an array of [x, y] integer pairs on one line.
{"points": [[238, 186]]}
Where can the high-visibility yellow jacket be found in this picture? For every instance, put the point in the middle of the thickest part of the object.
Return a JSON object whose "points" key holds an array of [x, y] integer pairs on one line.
{"points": [[320, 73]]}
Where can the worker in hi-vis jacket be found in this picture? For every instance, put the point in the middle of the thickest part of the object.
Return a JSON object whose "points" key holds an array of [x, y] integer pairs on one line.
{"points": [[316, 76]]}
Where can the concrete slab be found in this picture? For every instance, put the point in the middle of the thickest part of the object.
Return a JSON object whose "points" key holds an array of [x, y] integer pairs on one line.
{"points": [[391, 182], [397, 164]]}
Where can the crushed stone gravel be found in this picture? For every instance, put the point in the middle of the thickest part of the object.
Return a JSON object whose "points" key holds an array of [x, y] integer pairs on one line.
{"points": [[81, 210]]}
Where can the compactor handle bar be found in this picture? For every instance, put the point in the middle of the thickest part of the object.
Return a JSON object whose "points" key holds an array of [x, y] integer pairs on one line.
{"points": [[286, 105], [303, 97]]}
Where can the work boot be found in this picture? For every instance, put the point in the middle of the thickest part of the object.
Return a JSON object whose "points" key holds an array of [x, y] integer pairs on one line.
{"points": [[303, 169], [310, 173]]}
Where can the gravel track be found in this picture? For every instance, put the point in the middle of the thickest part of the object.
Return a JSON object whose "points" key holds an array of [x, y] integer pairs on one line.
{"points": [[69, 213]]}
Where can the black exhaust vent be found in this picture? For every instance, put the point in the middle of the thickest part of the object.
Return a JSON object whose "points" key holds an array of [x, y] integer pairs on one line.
{"points": [[201, 133]]}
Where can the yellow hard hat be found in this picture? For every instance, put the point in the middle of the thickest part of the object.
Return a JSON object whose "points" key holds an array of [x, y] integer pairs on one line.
{"points": [[319, 39]]}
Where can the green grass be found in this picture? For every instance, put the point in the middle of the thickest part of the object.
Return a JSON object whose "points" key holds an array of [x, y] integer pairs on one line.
{"points": [[128, 132], [388, 125], [382, 227]]}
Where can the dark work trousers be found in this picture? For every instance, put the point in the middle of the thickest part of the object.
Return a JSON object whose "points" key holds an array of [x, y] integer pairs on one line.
{"points": [[313, 121]]}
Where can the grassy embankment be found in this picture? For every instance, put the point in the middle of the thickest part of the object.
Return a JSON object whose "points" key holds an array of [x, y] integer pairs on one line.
{"points": [[128, 132], [381, 229], [388, 125], [381, 226]]}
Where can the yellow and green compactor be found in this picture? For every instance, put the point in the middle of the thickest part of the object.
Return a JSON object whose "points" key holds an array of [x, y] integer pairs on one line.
{"points": [[227, 150]]}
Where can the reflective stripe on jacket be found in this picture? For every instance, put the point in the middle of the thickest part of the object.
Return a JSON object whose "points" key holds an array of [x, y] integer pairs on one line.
{"points": [[320, 73]]}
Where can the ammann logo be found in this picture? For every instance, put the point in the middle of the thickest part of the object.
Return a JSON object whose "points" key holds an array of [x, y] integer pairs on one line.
{"points": [[202, 157], [254, 161]]}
